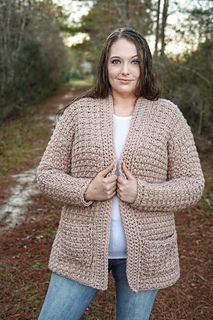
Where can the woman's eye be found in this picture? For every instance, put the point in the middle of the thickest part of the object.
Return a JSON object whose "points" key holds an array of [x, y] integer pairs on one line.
{"points": [[135, 62], [115, 61]]}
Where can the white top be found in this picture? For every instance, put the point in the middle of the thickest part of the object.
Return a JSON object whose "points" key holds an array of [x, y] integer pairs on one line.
{"points": [[117, 243]]}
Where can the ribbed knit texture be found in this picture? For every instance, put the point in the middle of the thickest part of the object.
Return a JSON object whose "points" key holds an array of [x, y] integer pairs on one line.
{"points": [[159, 151]]}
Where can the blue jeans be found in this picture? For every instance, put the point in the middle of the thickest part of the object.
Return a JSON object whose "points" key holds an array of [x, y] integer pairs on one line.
{"points": [[67, 299]]}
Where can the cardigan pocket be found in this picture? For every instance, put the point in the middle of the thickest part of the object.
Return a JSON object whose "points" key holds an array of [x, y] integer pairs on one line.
{"points": [[75, 243], [159, 257]]}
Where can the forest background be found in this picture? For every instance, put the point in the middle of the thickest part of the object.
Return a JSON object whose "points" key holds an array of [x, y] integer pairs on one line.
{"points": [[36, 56], [49, 52]]}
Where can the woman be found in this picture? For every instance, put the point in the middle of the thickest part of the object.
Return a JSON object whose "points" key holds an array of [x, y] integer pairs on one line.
{"points": [[122, 161]]}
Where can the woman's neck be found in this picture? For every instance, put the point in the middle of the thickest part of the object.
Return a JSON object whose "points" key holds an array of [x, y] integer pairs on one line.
{"points": [[123, 105]]}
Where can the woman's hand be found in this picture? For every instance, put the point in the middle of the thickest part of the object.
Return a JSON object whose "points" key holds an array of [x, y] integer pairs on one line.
{"points": [[102, 187], [127, 188]]}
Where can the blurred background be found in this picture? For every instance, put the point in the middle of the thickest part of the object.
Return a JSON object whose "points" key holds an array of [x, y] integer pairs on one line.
{"points": [[49, 52], [46, 43]]}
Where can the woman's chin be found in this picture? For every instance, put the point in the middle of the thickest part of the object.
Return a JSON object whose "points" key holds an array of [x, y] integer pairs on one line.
{"points": [[123, 91]]}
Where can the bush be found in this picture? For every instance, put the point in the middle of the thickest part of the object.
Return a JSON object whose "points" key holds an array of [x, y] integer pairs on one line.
{"points": [[188, 82], [34, 60]]}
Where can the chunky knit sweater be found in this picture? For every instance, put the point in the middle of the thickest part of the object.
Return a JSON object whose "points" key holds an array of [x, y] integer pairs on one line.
{"points": [[159, 151]]}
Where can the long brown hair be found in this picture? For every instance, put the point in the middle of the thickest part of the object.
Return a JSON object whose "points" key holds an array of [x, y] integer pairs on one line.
{"points": [[146, 86]]}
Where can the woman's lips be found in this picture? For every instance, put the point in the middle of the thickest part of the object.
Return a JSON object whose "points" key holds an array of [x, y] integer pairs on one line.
{"points": [[125, 81]]}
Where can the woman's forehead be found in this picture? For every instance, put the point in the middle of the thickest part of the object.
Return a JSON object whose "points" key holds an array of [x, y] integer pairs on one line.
{"points": [[123, 47]]}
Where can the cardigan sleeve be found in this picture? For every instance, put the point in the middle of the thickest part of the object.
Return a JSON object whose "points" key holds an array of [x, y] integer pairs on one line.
{"points": [[185, 180], [52, 175]]}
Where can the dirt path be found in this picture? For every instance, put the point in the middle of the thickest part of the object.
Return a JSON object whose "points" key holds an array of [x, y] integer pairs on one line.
{"points": [[24, 252]]}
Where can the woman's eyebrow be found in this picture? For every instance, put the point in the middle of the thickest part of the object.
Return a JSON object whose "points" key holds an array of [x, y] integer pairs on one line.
{"points": [[120, 57]]}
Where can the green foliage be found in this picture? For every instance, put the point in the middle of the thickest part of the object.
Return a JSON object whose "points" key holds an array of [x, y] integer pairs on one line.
{"points": [[200, 18], [76, 57], [105, 16], [188, 82], [33, 58], [81, 84]]}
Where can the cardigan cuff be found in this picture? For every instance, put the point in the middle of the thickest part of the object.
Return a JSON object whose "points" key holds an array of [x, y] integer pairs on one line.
{"points": [[85, 202], [138, 202]]}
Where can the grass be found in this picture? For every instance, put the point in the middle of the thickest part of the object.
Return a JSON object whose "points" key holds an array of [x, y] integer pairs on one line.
{"points": [[3, 273], [79, 84], [18, 142], [37, 265], [20, 139], [30, 297], [46, 232], [205, 204]]}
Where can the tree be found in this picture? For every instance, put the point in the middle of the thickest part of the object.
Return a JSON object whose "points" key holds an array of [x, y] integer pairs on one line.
{"points": [[197, 26], [202, 17], [187, 79], [157, 30], [161, 12], [105, 16], [32, 54], [163, 26]]}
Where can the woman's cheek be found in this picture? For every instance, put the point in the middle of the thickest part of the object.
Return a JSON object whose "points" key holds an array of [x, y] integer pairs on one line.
{"points": [[115, 72]]}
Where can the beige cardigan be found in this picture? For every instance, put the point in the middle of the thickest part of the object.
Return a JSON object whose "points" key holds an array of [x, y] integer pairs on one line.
{"points": [[159, 151]]}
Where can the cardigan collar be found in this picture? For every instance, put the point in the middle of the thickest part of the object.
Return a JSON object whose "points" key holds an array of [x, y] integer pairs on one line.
{"points": [[139, 118], [140, 105]]}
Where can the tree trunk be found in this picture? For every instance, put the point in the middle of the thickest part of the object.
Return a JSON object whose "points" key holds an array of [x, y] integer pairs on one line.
{"points": [[157, 27], [123, 11], [163, 26], [127, 11]]}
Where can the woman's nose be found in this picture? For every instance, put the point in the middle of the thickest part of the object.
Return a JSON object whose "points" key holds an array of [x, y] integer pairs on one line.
{"points": [[125, 70]]}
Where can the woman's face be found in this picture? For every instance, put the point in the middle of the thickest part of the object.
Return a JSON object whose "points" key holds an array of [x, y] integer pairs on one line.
{"points": [[123, 67]]}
